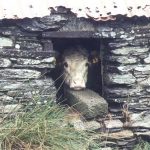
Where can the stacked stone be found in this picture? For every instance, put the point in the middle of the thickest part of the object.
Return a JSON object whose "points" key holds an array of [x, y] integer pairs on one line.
{"points": [[127, 83], [24, 62]]}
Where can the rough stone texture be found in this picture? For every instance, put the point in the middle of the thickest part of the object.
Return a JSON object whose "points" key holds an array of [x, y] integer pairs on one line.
{"points": [[92, 125], [19, 73], [33, 63], [130, 50], [29, 44], [125, 60], [52, 22], [6, 42], [87, 102], [124, 92], [110, 124], [10, 108], [126, 79], [4, 63], [147, 59], [119, 135], [122, 59], [26, 91], [141, 120]]}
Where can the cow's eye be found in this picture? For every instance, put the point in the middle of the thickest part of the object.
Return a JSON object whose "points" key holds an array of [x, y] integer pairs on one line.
{"points": [[65, 64], [87, 64]]}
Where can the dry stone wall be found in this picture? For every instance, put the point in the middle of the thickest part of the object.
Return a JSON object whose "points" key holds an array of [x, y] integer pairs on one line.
{"points": [[24, 62], [126, 79], [26, 55]]}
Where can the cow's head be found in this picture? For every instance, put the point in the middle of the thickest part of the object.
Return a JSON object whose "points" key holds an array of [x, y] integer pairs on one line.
{"points": [[74, 64], [75, 67]]}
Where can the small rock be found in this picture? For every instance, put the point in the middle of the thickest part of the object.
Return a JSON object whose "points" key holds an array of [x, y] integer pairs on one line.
{"points": [[29, 44], [118, 135], [10, 108], [6, 98], [142, 68], [6, 42], [5, 62], [126, 79], [19, 73], [125, 68], [75, 120], [147, 59], [122, 59], [54, 21], [130, 50], [107, 148], [145, 82], [140, 120], [123, 92], [110, 124], [24, 61], [48, 60], [92, 125], [143, 134]]}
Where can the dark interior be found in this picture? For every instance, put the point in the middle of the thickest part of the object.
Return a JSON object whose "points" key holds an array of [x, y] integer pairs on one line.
{"points": [[94, 72]]}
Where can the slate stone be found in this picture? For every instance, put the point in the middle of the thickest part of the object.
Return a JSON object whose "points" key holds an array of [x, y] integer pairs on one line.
{"points": [[6, 42], [29, 44], [53, 22], [122, 59], [111, 124], [19, 73], [126, 79], [140, 120], [124, 92], [10, 108], [4, 62], [130, 50], [87, 102]]}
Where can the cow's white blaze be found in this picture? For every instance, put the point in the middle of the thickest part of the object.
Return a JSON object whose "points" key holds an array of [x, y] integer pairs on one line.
{"points": [[75, 62]]}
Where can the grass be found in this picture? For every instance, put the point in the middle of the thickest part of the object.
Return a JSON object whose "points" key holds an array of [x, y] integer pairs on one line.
{"points": [[142, 146], [42, 128]]}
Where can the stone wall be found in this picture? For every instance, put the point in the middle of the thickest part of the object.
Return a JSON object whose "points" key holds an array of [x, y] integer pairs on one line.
{"points": [[126, 81], [26, 55], [24, 62]]}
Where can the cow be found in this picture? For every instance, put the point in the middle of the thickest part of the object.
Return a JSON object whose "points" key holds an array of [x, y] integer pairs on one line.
{"points": [[75, 62]]}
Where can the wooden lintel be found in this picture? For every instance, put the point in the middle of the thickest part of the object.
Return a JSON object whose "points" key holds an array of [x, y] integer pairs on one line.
{"points": [[69, 34]]}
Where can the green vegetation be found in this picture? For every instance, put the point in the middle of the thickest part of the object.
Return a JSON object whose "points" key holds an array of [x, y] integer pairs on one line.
{"points": [[42, 128], [142, 146]]}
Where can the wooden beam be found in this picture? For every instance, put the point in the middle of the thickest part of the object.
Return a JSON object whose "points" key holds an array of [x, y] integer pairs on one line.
{"points": [[70, 34]]}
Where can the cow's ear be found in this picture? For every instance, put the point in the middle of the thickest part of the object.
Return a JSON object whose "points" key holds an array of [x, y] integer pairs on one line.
{"points": [[94, 57]]}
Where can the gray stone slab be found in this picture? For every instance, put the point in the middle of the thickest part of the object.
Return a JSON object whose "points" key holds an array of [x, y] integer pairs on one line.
{"points": [[19, 73], [126, 79], [87, 102]]}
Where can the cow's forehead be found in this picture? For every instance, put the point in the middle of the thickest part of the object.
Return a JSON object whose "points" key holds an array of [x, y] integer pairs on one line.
{"points": [[76, 58], [74, 51]]}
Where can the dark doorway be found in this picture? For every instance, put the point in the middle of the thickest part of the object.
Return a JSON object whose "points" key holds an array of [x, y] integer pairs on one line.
{"points": [[93, 46]]}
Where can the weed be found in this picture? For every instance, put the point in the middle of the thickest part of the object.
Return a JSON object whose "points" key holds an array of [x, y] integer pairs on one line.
{"points": [[42, 128]]}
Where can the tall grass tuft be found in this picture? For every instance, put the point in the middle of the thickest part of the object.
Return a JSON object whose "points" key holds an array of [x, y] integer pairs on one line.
{"points": [[41, 128], [143, 145]]}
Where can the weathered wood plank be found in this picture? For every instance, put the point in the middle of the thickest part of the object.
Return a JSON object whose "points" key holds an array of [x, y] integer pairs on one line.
{"points": [[25, 53], [70, 34]]}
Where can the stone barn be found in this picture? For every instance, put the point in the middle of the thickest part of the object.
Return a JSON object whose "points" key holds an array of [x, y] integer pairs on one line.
{"points": [[117, 33]]}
